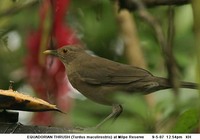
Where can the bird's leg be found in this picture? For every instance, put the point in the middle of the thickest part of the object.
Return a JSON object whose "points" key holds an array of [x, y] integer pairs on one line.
{"points": [[116, 111]]}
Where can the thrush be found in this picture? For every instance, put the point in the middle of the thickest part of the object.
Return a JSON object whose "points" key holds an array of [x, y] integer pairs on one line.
{"points": [[100, 79]]}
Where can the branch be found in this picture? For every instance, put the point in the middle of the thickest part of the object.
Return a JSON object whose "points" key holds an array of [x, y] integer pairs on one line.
{"points": [[173, 72], [128, 4], [165, 47], [15, 9], [155, 25]]}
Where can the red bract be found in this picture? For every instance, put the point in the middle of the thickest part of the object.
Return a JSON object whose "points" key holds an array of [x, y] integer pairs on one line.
{"points": [[60, 31], [59, 9], [47, 77], [64, 35]]}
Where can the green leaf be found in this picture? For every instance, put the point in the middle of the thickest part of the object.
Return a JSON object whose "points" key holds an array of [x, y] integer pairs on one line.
{"points": [[187, 122]]}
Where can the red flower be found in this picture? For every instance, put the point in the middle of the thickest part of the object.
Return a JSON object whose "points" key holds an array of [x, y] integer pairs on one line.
{"points": [[48, 77]]}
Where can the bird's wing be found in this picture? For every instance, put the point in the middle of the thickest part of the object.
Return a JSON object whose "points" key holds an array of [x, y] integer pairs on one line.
{"points": [[108, 72]]}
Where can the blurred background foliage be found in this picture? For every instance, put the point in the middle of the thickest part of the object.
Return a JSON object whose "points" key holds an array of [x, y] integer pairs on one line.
{"points": [[95, 24]]}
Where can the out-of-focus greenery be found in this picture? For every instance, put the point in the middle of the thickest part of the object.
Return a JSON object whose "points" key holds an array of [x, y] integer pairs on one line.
{"points": [[96, 21], [14, 27], [96, 25]]}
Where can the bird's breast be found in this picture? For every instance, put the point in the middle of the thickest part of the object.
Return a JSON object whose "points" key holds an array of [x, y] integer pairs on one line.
{"points": [[92, 92]]}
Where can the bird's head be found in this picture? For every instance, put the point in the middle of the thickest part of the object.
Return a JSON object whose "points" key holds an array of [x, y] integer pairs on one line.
{"points": [[67, 53]]}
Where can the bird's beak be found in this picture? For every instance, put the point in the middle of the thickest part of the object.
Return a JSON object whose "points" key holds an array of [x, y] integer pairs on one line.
{"points": [[51, 52]]}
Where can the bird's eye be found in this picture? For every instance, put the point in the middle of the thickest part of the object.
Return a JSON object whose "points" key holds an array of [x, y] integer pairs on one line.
{"points": [[64, 50]]}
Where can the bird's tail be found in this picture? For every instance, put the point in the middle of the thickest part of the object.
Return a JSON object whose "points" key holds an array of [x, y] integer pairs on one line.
{"points": [[189, 85], [165, 84]]}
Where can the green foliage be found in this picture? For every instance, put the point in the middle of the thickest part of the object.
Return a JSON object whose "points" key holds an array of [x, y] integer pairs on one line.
{"points": [[138, 117], [187, 122], [16, 20], [96, 25]]}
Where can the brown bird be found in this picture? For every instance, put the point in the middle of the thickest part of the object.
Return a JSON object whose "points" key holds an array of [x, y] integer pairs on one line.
{"points": [[99, 79]]}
